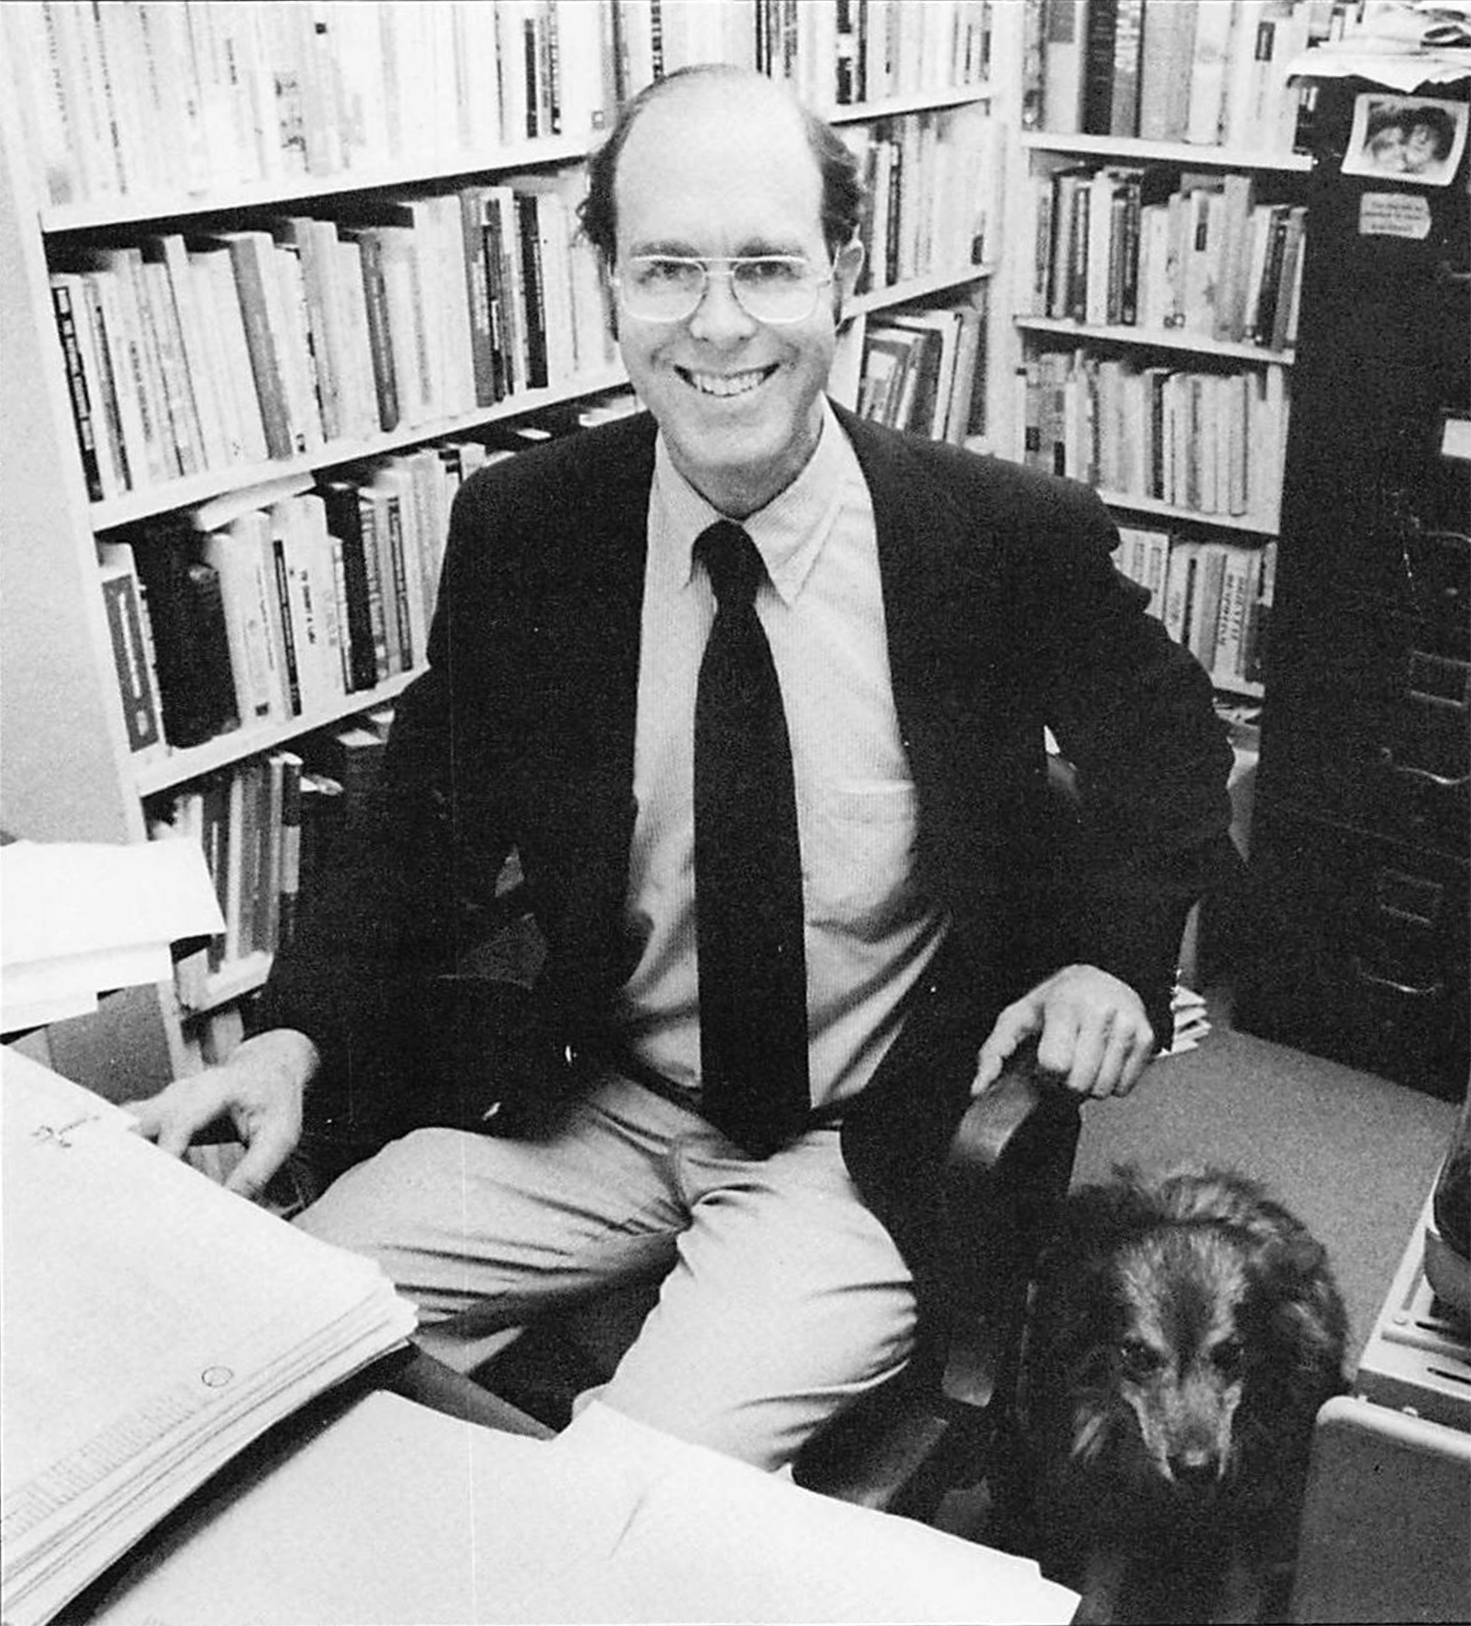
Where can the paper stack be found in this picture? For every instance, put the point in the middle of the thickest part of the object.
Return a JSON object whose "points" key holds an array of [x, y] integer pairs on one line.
{"points": [[154, 1325], [396, 1515], [82, 918]]}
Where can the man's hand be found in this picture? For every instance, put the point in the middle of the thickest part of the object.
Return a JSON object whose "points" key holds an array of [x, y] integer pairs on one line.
{"points": [[1092, 1033], [259, 1091]]}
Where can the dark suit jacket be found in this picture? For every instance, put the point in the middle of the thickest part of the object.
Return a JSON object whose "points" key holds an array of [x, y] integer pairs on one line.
{"points": [[1003, 614]]}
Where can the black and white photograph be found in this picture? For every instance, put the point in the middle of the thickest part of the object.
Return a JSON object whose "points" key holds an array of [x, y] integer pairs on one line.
{"points": [[1406, 138], [734, 804]]}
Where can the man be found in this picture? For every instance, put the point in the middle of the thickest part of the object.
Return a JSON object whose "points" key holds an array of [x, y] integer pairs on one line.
{"points": [[926, 613]]}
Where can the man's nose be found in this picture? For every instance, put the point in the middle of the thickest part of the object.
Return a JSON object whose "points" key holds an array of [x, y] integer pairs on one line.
{"points": [[720, 315]]}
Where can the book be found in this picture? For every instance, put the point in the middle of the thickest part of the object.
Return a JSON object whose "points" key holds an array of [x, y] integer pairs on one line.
{"points": [[190, 637], [1166, 54], [122, 602], [155, 1324], [235, 558], [1064, 23], [1127, 46], [1208, 73], [287, 766], [366, 636], [64, 291], [1098, 66], [257, 283], [224, 320]]}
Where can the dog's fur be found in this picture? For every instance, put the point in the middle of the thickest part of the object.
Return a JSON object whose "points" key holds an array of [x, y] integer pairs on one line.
{"points": [[1185, 1331]]}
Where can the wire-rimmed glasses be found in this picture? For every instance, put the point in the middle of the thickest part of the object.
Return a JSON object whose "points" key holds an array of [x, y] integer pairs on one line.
{"points": [[772, 288]]}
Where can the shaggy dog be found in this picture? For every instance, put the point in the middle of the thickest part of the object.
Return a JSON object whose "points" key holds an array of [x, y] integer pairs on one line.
{"points": [[1185, 1332]]}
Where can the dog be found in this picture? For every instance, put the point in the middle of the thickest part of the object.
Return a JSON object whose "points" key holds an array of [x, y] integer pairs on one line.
{"points": [[1185, 1330]]}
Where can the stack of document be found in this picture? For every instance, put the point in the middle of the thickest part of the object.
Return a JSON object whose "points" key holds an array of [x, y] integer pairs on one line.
{"points": [[82, 918], [396, 1515], [154, 1325]]}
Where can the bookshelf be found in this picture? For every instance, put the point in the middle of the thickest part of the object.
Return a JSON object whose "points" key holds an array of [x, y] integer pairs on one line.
{"points": [[1154, 283], [363, 117]]}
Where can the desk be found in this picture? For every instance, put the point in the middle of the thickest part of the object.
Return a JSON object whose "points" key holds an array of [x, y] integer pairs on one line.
{"points": [[408, 1372], [378, 1512], [1384, 1530]]}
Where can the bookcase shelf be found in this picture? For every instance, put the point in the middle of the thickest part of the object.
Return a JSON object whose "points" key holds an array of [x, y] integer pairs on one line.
{"points": [[1187, 155], [1262, 525], [893, 107], [1156, 339], [63, 219], [918, 288], [139, 505], [179, 767]]}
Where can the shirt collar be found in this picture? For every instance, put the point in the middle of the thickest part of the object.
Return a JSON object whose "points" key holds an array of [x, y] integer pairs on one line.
{"points": [[789, 531]]}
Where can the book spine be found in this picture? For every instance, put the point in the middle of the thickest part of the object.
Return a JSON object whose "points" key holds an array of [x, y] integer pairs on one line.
{"points": [[195, 678], [533, 294], [345, 522], [1098, 66], [289, 874], [282, 580], [122, 604], [1128, 41], [81, 402], [248, 257], [380, 340], [108, 385]]}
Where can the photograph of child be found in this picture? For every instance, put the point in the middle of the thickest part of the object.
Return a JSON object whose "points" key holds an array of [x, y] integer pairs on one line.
{"points": [[1406, 137]]}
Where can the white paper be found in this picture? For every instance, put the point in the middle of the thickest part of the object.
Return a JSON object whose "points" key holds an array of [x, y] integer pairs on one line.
{"points": [[74, 897], [397, 1515], [154, 1324]]}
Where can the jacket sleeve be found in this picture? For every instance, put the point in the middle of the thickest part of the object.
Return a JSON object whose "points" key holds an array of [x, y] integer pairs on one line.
{"points": [[404, 886]]}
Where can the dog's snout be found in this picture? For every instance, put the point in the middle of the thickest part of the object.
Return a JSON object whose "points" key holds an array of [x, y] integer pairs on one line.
{"points": [[1195, 1470]]}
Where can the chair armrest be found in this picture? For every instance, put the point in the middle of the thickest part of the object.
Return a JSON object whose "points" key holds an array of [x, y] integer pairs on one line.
{"points": [[1007, 1172]]}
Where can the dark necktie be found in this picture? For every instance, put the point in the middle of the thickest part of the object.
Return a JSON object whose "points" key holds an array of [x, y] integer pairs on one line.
{"points": [[748, 869]]}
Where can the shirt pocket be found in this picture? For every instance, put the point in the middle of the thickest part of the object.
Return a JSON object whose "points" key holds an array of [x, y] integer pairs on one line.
{"points": [[858, 870]]}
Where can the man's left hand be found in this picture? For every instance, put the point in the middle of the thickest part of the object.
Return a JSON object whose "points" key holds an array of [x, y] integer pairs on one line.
{"points": [[1091, 1032]]}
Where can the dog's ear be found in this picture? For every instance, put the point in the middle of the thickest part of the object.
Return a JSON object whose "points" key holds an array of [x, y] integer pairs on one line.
{"points": [[1307, 1322]]}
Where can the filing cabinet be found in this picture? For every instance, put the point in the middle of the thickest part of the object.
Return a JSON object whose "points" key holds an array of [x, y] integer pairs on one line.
{"points": [[1361, 840]]}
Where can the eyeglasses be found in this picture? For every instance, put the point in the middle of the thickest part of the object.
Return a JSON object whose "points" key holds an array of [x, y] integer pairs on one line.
{"points": [[774, 288]]}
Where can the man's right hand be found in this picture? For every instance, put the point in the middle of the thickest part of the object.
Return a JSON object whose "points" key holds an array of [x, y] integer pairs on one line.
{"points": [[259, 1091]]}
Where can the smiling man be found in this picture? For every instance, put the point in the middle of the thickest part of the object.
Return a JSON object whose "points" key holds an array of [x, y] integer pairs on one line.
{"points": [[758, 692]]}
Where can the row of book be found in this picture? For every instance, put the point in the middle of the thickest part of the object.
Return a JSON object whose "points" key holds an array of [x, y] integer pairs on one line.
{"points": [[271, 829], [276, 604], [194, 353], [154, 98], [925, 371], [1207, 72], [932, 186], [1116, 245], [1214, 595], [1204, 442], [247, 820]]}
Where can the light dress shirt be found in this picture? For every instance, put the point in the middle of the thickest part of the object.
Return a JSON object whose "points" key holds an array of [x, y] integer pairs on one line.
{"points": [[869, 932]]}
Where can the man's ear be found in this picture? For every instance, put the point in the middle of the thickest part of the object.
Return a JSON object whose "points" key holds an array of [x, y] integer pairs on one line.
{"points": [[846, 269], [610, 295]]}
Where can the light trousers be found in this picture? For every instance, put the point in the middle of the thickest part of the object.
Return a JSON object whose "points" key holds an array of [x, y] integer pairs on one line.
{"points": [[783, 1298]]}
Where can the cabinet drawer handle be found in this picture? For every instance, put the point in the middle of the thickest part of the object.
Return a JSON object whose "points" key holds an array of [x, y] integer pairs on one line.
{"points": [[1432, 990], [1423, 776]]}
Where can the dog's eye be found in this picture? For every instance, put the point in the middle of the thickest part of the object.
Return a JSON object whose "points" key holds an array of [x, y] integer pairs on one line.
{"points": [[1137, 1358], [1228, 1358]]}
